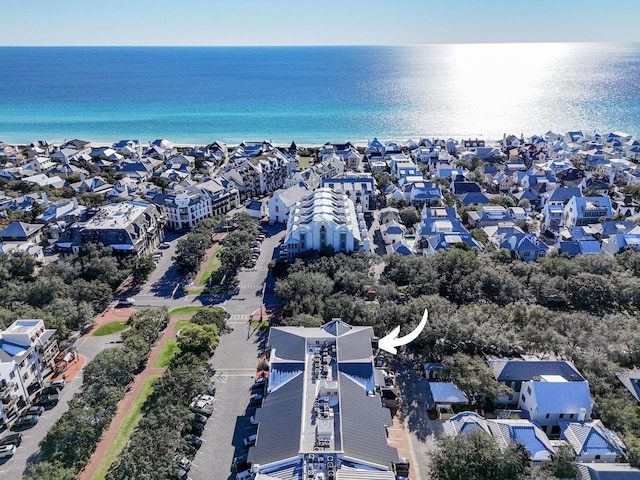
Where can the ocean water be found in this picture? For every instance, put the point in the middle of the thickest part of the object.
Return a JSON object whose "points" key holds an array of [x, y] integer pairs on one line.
{"points": [[316, 94]]}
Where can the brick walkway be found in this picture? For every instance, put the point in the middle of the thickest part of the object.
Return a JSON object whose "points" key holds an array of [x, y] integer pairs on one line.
{"points": [[203, 264], [125, 404], [399, 439]]}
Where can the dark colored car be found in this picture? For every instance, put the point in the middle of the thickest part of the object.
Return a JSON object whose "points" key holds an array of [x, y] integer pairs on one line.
{"points": [[47, 399], [193, 440], [34, 411], [26, 421], [12, 439]]}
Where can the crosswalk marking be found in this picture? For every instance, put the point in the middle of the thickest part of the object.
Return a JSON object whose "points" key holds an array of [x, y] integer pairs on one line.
{"points": [[244, 286], [238, 319]]}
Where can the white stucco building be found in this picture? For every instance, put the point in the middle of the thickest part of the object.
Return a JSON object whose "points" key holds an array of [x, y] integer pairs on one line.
{"points": [[325, 219], [282, 200]]}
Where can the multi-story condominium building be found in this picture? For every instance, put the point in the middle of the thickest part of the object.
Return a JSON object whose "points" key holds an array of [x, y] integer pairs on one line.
{"points": [[183, 207], [27, 350], [132, 228], [360, 187]]}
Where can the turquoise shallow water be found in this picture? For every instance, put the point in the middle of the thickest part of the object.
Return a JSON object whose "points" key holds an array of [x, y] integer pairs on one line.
{"points": [[316, 94]]}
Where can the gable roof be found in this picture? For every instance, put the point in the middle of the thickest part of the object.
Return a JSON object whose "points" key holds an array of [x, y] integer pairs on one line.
{"points": [[20, 230], [631, 380], [591, 438]]}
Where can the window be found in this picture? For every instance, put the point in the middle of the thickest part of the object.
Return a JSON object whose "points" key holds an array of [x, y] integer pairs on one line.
{"points": [[343, 241], [529, 389], [523, 398], [597, 457], [547, 416], [561, 415], [12, 374], [303, 241], [571, 415], [276, 208]]}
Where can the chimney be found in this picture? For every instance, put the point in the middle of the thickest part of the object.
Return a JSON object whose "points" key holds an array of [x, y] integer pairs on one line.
{"points": [[582, 415]]}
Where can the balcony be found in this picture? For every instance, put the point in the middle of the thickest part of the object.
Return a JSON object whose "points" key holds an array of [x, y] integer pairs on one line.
{"points": [[6, 390]]}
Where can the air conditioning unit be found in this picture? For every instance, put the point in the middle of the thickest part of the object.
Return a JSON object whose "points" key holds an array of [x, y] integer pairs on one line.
{"points": [[311, 457], [329, 458]]}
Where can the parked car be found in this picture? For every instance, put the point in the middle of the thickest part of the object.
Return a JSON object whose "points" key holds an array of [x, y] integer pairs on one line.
{"points": [[250, 440], [37, 410], [12, 439], [240, 462], [183, 463], [256, 399], [260, 382], [165, 245], [193, 440], [58, 384], [205, 398], [25, 421], [253, 420], [256, 250], [202, 406], [7, 450], [197, 426], [47, 399]]}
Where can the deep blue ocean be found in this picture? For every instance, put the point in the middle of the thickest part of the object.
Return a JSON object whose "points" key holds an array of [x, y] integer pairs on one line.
{"points": [[316, 94]]}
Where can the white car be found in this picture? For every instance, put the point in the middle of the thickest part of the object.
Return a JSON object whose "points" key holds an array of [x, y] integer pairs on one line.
{"points": [[202, 407], [7, 450], [204, 398]]}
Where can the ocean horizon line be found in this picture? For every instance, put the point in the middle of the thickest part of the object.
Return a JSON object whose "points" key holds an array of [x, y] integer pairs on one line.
{"points": [[540, 42]]}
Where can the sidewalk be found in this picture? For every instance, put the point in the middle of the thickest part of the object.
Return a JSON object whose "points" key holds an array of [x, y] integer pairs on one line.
{"points": [[125, 404]]}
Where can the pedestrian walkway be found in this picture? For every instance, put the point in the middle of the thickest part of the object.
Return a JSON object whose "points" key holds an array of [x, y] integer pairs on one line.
{"points": [[238, 319], [125, 404]]}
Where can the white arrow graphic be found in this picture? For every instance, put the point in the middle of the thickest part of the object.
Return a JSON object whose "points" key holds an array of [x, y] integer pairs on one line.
{"points": [[390, 341]]}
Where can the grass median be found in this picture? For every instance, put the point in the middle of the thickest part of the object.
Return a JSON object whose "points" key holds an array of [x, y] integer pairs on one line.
{"points": [[184, 311], [122, 436], [168, 351], [110, 328]]}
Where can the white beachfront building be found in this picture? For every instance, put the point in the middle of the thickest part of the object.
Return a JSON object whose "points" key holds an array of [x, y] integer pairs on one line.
{"points": [[325, 219]]}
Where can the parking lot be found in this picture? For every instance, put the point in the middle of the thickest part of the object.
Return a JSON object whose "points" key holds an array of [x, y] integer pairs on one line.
{"points": [[14, 466], [235, 363]]}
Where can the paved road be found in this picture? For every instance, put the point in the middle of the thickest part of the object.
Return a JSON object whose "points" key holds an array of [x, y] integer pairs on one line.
{"points": [[237, 354], [235, 362]]}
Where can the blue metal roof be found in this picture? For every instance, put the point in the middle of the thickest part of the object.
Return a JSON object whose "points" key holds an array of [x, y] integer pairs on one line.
{"points": [[446, 392], [561, 397], [526, 436]]}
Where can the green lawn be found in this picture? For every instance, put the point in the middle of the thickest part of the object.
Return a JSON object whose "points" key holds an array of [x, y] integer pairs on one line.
{"points": [[184, 311], [181, 323], [304, 162], [168, 351], [122, 436], [214, 261], [110, 328]]}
